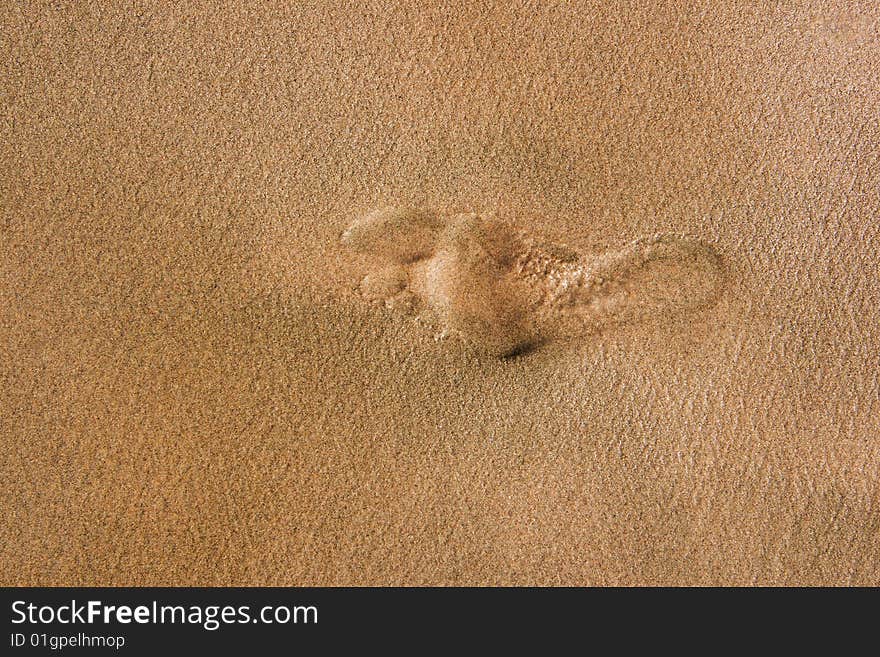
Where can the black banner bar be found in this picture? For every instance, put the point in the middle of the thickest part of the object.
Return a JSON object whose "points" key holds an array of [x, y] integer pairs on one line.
{"points": [[146, 620]]}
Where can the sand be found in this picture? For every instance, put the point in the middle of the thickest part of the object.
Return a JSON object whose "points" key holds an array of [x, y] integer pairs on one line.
{"points": [[200, 387]]}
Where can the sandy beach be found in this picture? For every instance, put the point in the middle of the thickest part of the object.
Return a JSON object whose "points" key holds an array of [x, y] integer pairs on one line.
{"points": [[225, 360]]}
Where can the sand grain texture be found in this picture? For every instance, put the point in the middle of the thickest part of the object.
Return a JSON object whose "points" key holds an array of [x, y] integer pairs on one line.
{"points": [[197, 390]]}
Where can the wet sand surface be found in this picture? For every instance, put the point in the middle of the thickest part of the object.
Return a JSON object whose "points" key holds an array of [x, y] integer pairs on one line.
{"points": [[195, 389]]}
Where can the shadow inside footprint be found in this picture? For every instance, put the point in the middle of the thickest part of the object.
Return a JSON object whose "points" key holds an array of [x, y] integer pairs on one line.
{"points": [[396, 234]]}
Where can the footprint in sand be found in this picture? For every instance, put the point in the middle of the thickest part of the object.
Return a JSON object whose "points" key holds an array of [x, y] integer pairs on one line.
{"points": [[507, 293]]}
